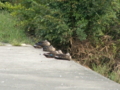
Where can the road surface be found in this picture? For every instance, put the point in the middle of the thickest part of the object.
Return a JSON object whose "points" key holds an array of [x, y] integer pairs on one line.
{"points": [[25, 68]]}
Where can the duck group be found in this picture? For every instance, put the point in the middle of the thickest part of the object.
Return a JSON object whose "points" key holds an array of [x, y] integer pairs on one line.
{"points": [[51, 51]]}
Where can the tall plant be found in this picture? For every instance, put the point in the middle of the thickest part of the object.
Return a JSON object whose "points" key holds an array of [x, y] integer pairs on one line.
{"points": [[61, 20]]}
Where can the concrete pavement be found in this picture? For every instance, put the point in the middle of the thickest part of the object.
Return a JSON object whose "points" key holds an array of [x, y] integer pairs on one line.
{"points": [[25, 68]]}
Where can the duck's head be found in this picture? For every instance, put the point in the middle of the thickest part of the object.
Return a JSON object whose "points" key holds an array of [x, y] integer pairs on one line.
{"points": [[46, 42], [34, 45], [60, 52], [37, 46], [69, 56], [52, 48], [56, 52]]}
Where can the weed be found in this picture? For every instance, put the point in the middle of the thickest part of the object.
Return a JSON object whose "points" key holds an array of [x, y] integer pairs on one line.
{"points": [[105, 70], [9, 32], [115, 76]]}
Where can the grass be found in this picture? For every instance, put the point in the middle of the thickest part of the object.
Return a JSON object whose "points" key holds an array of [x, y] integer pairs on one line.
{"points": [[9, 33], [115, 76], [105, 71]]}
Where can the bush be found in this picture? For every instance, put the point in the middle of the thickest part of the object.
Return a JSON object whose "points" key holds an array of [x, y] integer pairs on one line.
{"points": [[58, 20]]}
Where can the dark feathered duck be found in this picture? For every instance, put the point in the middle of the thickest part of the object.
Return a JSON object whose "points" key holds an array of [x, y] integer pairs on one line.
{"points": [[49, 48], [63, 56], [42, 44], [37, 46], [52, 54]]}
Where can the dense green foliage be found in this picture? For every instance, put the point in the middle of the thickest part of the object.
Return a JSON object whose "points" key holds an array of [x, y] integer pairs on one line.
{"points": [[11, 1], [58, 20]]}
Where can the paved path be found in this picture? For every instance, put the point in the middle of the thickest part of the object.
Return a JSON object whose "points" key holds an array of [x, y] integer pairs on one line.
{"points": [[25, 68]]}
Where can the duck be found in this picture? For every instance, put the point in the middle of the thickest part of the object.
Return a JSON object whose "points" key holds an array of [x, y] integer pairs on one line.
{"points": [[52, 54], [49, 48], [42, 44], [37, 46], [66, 56]]}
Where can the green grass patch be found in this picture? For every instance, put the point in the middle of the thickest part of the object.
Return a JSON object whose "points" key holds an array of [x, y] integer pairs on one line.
{"points": [[115, 76], [105, 71], [9, 33]]}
